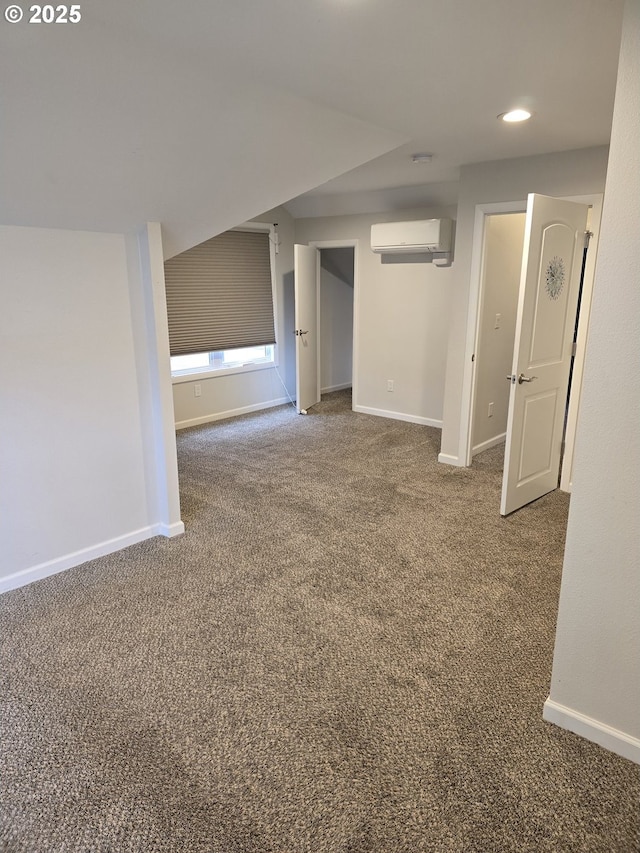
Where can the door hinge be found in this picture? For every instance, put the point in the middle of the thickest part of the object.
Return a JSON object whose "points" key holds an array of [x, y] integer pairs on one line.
{"points": [[574, 349], [473, 357], [587, 236]]}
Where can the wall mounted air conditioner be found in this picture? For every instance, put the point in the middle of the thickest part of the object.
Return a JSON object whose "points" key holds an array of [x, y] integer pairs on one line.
{"points": [[424, 236]]}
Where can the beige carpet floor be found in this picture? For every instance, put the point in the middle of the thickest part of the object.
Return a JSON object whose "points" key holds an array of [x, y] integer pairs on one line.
{"points": [[348, 652]]}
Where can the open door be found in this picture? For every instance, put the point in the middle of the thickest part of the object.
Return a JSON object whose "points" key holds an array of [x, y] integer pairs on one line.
{"points": [[551, 266], [305, 274]]}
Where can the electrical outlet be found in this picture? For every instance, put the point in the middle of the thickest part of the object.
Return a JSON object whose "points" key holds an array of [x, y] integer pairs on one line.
{"points": [[197, 390], [490, 413], [389, 384]]}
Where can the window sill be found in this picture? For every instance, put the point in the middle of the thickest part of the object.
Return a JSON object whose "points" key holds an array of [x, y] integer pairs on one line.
{"points": [[206, 372]]}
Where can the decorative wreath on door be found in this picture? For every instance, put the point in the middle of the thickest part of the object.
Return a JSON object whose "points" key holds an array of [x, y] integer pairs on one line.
{"points": [[555, 276]]}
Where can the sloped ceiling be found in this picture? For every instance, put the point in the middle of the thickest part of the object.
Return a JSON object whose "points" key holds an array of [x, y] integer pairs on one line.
{"points": [[339, 262], [201, 115], [107, 128]]}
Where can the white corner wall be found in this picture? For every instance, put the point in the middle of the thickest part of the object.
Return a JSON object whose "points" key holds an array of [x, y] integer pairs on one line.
{"points": [[234, 394], [568, 173], [75, 483], [401, 317], [151, 338], [595, 689]]}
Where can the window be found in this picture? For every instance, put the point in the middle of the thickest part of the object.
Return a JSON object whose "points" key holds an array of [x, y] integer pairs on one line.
{"points": [[201, 362], [220, 304]]}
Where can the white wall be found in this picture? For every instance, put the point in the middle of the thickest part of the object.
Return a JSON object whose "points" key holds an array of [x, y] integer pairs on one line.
{"points": [[595, 688], [76, 479], [504, 237], [568, 173], [336, 326], [401, 315], [227, 395]]}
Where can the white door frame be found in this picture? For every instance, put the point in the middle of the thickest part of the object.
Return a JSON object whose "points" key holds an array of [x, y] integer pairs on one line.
{"points": [[473, 324], [595, 215], [344, 244]]}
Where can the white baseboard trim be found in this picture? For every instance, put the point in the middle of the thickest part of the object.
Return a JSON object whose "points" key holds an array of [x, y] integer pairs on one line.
{"points": [[398, 416], [612, 739], [447, 459], [231, 413], [68, 561], [331, 388], [170, 530], [490, 442]]}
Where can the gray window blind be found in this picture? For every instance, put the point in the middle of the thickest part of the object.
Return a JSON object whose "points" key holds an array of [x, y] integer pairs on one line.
{"points": [[219, 294]]}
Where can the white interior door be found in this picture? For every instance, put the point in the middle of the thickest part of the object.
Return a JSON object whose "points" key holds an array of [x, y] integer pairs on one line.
{"points": [[305, 275], [549, 284]]}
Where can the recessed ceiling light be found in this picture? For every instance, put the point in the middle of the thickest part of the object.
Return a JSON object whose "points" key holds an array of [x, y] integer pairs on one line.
{"points": [[515, 115], [421, 158]]}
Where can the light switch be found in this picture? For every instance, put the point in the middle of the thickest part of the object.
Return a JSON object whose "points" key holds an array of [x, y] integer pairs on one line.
{"points": [[498, 319]]}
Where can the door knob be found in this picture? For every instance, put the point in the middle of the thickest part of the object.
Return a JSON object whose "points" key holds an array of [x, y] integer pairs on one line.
{"points": [[522, 378]]}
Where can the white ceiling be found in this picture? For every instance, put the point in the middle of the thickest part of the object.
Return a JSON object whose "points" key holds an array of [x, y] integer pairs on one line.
{"points": [[203, 114]]}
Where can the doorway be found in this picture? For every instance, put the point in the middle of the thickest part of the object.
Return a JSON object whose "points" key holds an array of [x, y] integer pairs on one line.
{"points": [[325, 283], [498, 246], [499, 287], [336, 298]]}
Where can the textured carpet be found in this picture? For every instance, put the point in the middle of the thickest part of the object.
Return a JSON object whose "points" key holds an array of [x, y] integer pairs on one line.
{"points": [[348, 651]]}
